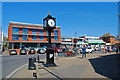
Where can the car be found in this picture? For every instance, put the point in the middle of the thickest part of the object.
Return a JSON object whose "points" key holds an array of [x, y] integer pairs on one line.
{"points": [[13, 52], [59, 50], [89, 50], [23, 52], [41, 50], [32, 51], [97, 48]]}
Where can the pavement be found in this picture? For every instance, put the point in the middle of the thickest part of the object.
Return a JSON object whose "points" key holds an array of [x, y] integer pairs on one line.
{"points": [[70, 67], [10, 63]]}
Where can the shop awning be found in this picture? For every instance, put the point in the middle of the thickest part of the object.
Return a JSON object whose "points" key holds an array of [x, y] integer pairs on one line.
{"points": [[81, 43], [96, 42]]}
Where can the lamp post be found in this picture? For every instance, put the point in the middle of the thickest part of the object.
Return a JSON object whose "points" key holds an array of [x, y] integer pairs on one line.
{"points": [[49, 23]]}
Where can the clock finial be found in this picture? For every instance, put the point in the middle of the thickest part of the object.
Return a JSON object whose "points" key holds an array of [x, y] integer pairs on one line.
{"points": [[49, 13]]}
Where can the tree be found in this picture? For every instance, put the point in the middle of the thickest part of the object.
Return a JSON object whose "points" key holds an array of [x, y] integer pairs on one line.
{"points": [[5, 44]]}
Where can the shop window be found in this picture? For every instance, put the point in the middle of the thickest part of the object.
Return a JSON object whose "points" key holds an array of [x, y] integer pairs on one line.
{"points": [[55, 38], [34, 37], [34, 31], [41, 31], [15, 30], [15, 37], [55, 32], [16, 45], [24, 30]]}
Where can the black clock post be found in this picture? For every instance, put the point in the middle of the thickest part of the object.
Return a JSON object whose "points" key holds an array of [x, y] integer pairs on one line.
{"points": [[49, 23]]}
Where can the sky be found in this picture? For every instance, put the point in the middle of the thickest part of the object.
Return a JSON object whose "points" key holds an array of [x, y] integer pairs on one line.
{"points": [[90, 18]]}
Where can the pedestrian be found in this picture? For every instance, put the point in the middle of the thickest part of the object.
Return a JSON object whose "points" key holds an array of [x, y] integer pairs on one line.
{"points": [[117, 50], [84, 52], [105, 51]]}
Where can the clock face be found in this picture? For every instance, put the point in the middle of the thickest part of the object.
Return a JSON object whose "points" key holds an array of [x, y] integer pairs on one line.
{"points": [[51, 22]]}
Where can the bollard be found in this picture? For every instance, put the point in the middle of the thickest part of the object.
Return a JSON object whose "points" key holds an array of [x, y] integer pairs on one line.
{"points": [[31, 65]]}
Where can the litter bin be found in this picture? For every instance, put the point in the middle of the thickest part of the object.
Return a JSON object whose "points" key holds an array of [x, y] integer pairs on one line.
{"points": [[31, 65]]}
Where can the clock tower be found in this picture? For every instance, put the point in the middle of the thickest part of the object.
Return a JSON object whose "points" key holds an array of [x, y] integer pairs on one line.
{"points": [[49, 23]]}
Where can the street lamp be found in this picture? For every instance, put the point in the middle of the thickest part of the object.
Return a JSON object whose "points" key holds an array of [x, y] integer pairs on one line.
{"points": [[49, 23]]}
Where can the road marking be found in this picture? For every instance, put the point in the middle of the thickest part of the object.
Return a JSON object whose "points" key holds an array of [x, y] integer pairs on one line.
{"points": [[12, 73]]}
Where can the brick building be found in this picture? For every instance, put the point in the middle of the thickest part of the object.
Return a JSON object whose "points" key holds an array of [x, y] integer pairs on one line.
{"points": [[108, 38], [30, 35]]}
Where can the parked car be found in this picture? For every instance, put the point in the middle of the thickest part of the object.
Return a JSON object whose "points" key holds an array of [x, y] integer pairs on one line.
{"points": [[23, 52], [57, 49], [41, 50], [32, 51], [89, 50], [13, 52]]}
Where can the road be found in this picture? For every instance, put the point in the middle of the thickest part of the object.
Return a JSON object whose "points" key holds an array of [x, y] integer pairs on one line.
{"points": [[10, 63]]}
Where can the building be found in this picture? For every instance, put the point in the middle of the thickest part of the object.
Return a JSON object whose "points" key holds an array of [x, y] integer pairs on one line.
{"points": [[67, 42], [72, 42], [93, 41], [79, 42], [30, 35], [110, 39]]}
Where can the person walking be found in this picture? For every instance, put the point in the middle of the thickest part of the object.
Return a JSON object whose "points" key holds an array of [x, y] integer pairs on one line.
{"points": [[105, 51], [84, 52], [116, 49]]}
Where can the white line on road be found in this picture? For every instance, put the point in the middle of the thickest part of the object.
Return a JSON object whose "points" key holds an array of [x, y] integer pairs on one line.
{"points": [[12, 73]]}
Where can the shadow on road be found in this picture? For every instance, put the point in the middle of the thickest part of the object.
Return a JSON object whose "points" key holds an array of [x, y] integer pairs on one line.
{"points": [[108, 66]]}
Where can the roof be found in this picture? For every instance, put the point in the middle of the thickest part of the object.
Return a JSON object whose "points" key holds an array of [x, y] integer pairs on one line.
{"points": [[107, 35], [89, 37], [27, 24], [67, 37]]}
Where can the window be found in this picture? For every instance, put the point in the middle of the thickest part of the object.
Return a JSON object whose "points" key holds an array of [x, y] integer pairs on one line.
{"points": [[41, 38], [24, 30], [15, 37], [56, 32], [34, 37], [15, 30], [55, 38], [41, 31], [34, 31], [24, 37]]}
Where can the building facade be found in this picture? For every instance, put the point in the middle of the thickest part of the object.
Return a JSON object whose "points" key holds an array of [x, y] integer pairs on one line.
{"points": [[67, 42], [93, 41], [30, 35], [108, 38]]}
